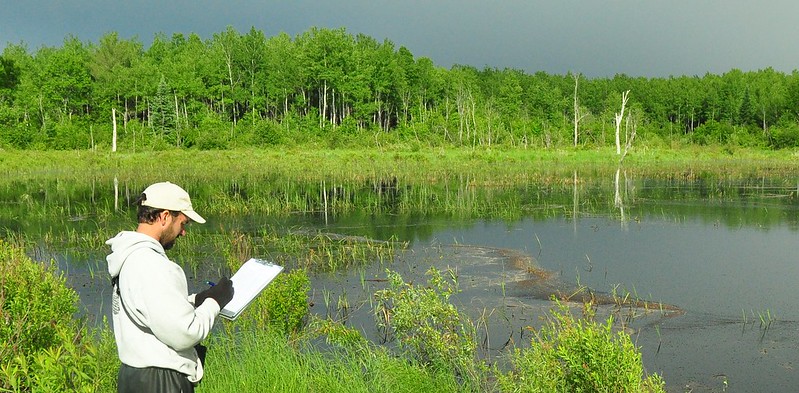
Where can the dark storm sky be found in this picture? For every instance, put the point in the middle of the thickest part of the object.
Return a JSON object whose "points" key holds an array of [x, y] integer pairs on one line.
{"points": [[596, 38]]}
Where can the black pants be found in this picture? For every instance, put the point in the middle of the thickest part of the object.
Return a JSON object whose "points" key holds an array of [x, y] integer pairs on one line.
{"points": [[152, 380]]}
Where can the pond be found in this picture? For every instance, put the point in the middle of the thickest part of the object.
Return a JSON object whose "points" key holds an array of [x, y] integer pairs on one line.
{"points": [[714, 261]]}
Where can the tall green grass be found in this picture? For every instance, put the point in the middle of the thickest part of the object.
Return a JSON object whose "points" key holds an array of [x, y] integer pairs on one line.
{"points": [[262, 361], [431, 166], [92, 191]]}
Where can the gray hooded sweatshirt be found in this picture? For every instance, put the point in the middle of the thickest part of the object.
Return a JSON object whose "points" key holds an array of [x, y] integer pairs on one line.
{"points": [[155, 322]]}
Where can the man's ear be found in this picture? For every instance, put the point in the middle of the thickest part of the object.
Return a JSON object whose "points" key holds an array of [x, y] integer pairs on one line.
{"points": [[163, 216]]}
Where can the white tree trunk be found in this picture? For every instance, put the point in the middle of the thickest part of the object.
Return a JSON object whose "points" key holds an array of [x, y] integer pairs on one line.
{"points": [[576, 109], [323, 115], [116, 194], [617, 199], [619, 117], [630, 129], [114, 135]]}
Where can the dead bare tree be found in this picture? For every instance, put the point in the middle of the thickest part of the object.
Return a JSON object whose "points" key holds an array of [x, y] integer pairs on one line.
{"points": [[114, 134], [577, 116], [630, 129], [619, 117]]}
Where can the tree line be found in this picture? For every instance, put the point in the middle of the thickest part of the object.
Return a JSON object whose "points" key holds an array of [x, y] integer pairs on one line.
{"points": [[329, 86]]}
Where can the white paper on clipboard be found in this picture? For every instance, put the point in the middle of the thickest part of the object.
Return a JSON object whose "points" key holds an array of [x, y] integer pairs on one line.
{"points": [[250, 280]]}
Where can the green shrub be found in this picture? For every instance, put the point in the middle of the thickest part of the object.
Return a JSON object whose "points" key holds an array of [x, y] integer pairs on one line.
{"points": [[712, 132], [268, 133], [785, 136], [283, 306], [43, 348], [571, 354], [211, 133], [427, 326], [35, 304], [78, 364]]}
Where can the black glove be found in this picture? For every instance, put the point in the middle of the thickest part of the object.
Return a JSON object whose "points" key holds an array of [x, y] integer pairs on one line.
{"points": [[222, 292]]}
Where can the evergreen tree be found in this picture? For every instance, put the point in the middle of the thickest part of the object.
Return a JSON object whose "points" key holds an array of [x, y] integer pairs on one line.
{"points": [[162, 110], [9, 78]]}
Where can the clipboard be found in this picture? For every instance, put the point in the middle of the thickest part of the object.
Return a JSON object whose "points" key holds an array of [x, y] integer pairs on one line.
{"points": [[249, 281]]}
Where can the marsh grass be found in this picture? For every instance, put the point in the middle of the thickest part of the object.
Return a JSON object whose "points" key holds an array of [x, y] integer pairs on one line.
{"points": [[764, 319], [51, 175], [259, 361], [312, 250], [92, 191]]}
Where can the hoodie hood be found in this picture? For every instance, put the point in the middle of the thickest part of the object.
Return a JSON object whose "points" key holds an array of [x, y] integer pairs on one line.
{"points": [[123, 244]]}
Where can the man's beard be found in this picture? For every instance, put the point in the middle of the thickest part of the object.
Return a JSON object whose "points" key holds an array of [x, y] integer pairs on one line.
{"points": [[169, 245]]}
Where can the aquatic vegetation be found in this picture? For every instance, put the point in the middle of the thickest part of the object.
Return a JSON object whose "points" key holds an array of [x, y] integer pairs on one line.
{"points": [[577, 354], [427, 326], [282, 307], [92, 191]]}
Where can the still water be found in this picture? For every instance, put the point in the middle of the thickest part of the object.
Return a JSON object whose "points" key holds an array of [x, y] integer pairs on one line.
{"points": [[725, 279], [724, 254]]}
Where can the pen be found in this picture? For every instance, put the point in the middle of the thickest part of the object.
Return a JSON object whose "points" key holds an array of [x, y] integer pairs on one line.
{"points": [[211, 283]]}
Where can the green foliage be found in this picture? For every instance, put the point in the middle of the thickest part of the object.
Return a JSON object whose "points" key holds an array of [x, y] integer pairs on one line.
{"points": [[43, 348], [712, 132], [36, 303], [283, 305], [749, 136], [427, 326], [70, 135], [269, 133], [572, 354], [338, 334], [163, 110], [9, 79], [330, 87], [80, 363], [785, 135], [212, 133]]}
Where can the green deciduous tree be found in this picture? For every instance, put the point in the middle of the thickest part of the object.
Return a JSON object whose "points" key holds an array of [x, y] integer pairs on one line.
{"points": [[326, 84]]}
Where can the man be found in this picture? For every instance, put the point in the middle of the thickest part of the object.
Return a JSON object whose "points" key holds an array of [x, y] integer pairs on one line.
{"points": [[156, 323]]}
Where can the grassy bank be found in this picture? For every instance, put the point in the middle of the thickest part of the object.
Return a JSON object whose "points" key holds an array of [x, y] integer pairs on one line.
{"points": [[462, 182], [424, 165], [81, 198]]}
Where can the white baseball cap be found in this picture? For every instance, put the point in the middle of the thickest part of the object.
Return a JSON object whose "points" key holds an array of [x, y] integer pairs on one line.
{"points": [[170, 196]]}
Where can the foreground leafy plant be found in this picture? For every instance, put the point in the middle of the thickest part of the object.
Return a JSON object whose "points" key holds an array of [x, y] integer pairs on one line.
{"points": [[282, 307], [570, 354], [42, 347], [428, 327]]}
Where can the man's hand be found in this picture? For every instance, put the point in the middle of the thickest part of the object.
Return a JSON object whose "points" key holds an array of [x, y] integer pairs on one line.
{"points": [[222, 292]]}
